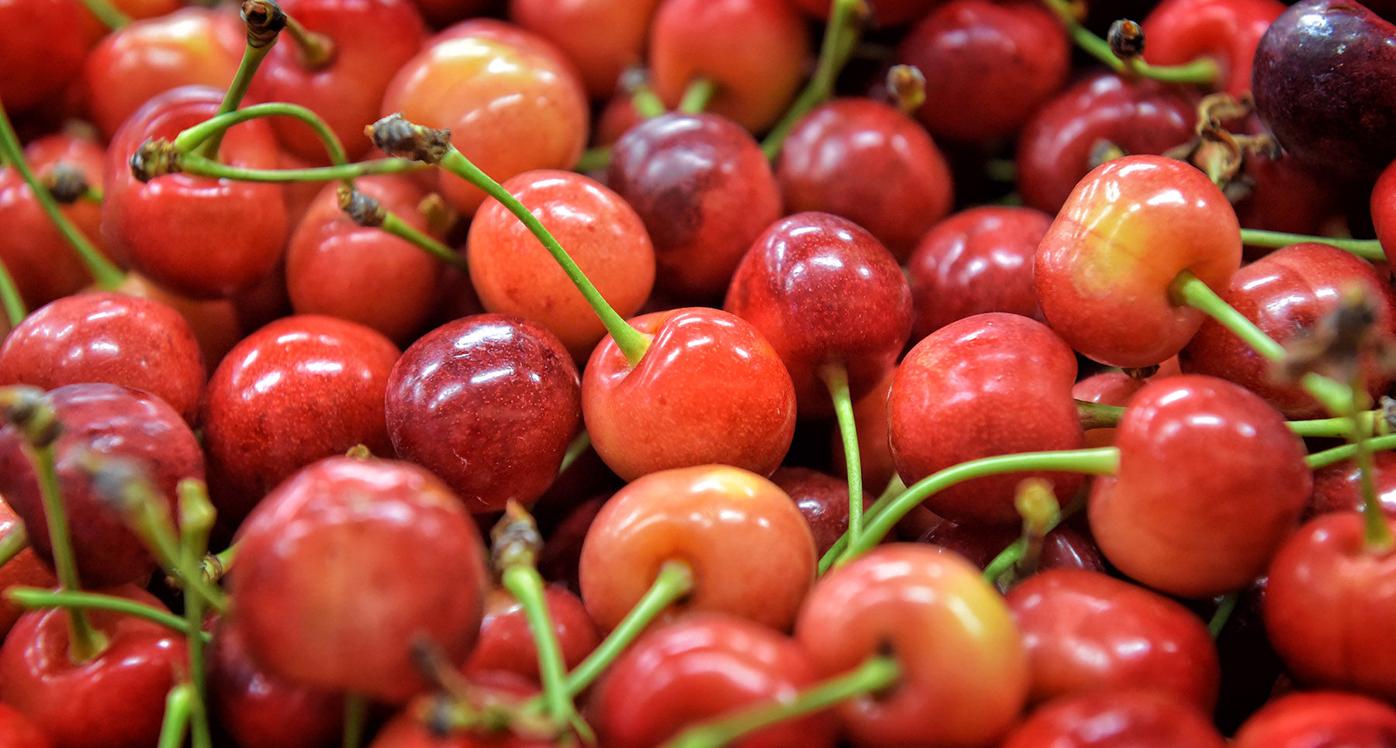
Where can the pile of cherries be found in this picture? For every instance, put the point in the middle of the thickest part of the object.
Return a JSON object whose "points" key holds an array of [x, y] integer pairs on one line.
{"points": [[689, 373]]}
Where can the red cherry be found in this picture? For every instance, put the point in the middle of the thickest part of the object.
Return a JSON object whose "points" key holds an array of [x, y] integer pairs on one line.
{"points": [[1062, 548], [1107, 388], [506, 642], [1287, 196], [1337, 488], [1384, 211], [603, 37], [1320, 718], [562, 552], [822, 499], [215, 322], [1225, 31], [39, 51], [16, 731], [411, 727], [1118, 719], [874, 443], [262, 711], [616, 118], [25, 569], [319, 581], [881, 12]]}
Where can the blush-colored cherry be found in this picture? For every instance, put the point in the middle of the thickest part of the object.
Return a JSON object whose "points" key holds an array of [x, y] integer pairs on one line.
{"points": [[603, 37], [506, 642], [705, 192], [259, 710], [1178, 518], [347, 566], [39, 51], [1320, 718], [1117, 719], [1111, 387], [978, 260], [297, 390], [489, 403], [25, 569], [1337, 488], [880, 12], [1062, 548], [1383, 205], [1180, 31], [822, 499]]}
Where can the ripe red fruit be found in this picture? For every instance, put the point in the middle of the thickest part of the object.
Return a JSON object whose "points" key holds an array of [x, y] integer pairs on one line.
{"points": [[1224, 31], [1116, 719], [39, 51], [260, 710], [1319, 718], [602, 37], [506, 642]]}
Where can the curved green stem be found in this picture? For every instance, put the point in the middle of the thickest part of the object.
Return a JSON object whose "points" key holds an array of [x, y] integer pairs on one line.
{"points": [[316, 49], [1096, 415], [256, 49], [31, 598], [15, 311], [196, 517], [108, 14], [835, 376], [840, 38], [646, 102], [894, 488], [1202, 71], [85, 641], [355, 719], [202, 167], [1338, 454], [176, 722], [1225, 608], [189, 140], [697, 96], [526, 585], [405, 231], [13, 543], [1367, 249]]}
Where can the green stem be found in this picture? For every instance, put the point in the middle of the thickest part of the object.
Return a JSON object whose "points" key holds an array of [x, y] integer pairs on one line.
{"points": [[316, 49], [1368, 249], [31, 598], [840, 37], [1223, 613], [646, 102], [107, 13], [202, 167], [394, 225], [697, 96], [1338, 454], [1202, 71], [894, 488], [176, 723], [196, 517], [355, 718], [1098, 415], [594, 159], [189, 140], [13, 543], [252, 56], [15, 310], [106, 275], [526, 585], [85, 641], [876, 674], [578, 447], [835, 376]]}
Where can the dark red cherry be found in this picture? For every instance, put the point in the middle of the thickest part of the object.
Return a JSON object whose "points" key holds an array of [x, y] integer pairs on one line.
{"points": [[1383, 206], [822, 499], [18, 732], [506, 642], [259, 710], [1116, 719], [1226, 32], [1320, 719], [1062, 548], [25, 569], [40, 51]]}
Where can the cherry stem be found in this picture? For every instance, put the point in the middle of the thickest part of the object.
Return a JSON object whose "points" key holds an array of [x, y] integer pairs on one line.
{"points": [[1013, 556], [646, 102], [894, 488], [189, 140], [105, 274], [316, 49], [1037, 505], [13, 542], [593, 159], [697, 96], [15, 311], [86, 641], [1098, 416], [874, 675], [176, 722], [355, 719], [1338, 454], [1367, 249], [368, 211], [1203, 70], [1225, 607], [835, 376], [264, 20], [215, 565], [203, 167], [33, 598], [840, 38], [108, 14], [578, 447], [196, 517]]}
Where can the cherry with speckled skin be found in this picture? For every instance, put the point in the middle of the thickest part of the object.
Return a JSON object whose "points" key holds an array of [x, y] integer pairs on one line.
{"points": [[978, 260], [318, 583], [1170, 517], [1118, 719], [1320, 719], [602, 37], [1062, 548], [25, 569], [848, 156], [748, 546], [1105, 269], [709, 390], [822, 499], [1337, 488], [107, 420], [1287, 293], [701, 667], [506, 642], [115, 699], [299, 389], [39, 52], [261, 711], [112, 338], [489, 403], [952, 634], [705, 192], [1224, 31], [987, 385], [1383, 205]]}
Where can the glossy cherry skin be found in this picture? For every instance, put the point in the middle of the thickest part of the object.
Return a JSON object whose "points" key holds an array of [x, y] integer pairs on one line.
{"points": [[978, 260], [1320, 719], [1116, 719], [1177, 519], [201, 237], [705, 192], [25, 569], [987, 385], [371, 41], [603, 37], [699, 668], [39, 52], [115, 699], [960, 653], [1337, 488], [880, 12], [1054, 148], [506, 643], [709, 390], [749, 548], [1104, 269], [754, 51], [319, 585], [823, 291], [268, 411], [822, 499], [112, 338], [988, 66], [1287, 293], [1329, 606], [262, 711], [514, 274], [849, 155], [489, 403], [338, 268], [1383, 206], [192, 46], [1224, 31], [510, 99], [16, 731], [113, 421], [1062, 548]]}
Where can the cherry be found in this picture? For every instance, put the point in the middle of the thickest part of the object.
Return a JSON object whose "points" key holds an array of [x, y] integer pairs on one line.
{"points": [[562, 551], [1320, 718], [266, 413], [603, 37], [1383, 206], [874, 443], [18, 732], [1106, 388], [318, 584], [1177, 520], [260, 710], [1062, 548], [704, 191], [1118, 719], [848, 155], [880, 12], [951, 633], [617, 117], [1180, 31], [701, 666], [413, 728], [1337, 488], [506, 643], [489, 403], [988, 66], [24, 569], [1286, 196], [978, 260], [441, 13], [215, 322], [112, 338], [822, 499], [753, 51], [989, 384], [39, 51], [514, 274]]}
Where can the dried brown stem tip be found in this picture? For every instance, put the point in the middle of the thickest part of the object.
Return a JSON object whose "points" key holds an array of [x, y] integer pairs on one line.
{"points": [[66, 183], [264, 20], [28, 410], [365, 211], [515, 539], [395, 136], [907, 86], [1126, 39], [155, 157]]}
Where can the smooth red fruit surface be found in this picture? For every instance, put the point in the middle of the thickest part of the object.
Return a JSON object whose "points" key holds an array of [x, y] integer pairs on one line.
{"points": [[1331, 605], [262, 711], [441, 13], [602, 37], [297, 390], [1224, 31], [115, 699], [1338, 488], [749, 548], [987, 385], [824, 291], [1062, 548], [988, 65], [754, 51], [109, 421], [25, 569], [1118, 719], [201, 237], [111, 338], [1320, 719], [1088, 632], [1178, 518], [1383, 206], [319, 587], [514, 274], [489, 403], [506, 643], [978, 260], [699, 668], [848, 155], [705, 192], [16, 731], [39, 52], [881, 12], [960, 653], [1106, 266]]}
